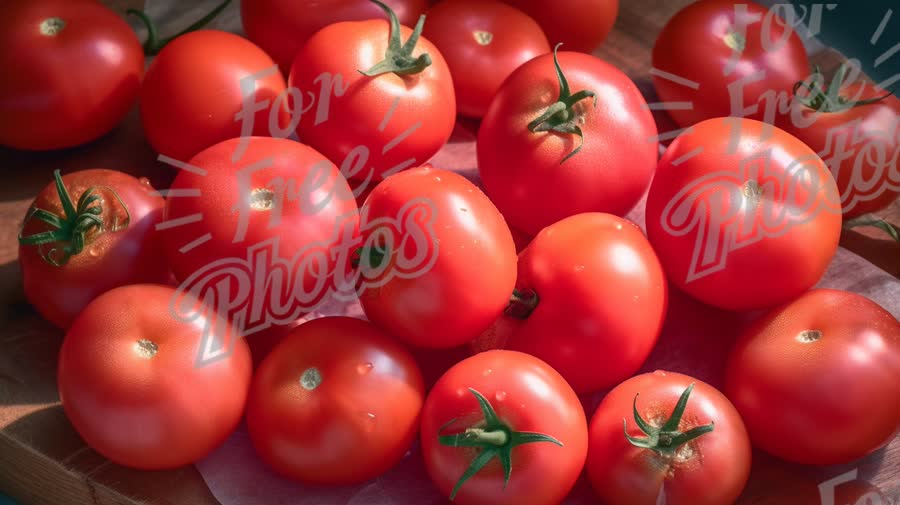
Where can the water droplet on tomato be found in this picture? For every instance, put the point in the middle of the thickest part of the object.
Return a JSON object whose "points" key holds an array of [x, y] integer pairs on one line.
{"points": [[488, 372], [619, 226], [364, 368], [579, 268], [437, 178], [500, 396], [94, 252], [145, 181], [369, 422]]}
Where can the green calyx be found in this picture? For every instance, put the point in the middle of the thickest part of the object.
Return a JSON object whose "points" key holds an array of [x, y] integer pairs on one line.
{"points": [[829, 98], [153, 45], [398, 58], [79, 224], [874, 222], [666, 439], [561, 117], [495, 440], [521, 304], [370, 256]]}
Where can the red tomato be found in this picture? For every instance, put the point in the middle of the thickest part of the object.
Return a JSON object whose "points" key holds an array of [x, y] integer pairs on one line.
{"points": [[589, 282], [751, 58], [683, 444], [396, 116], [337, 402], [193, 95], [483, 41], [467, 260], [743, 228], [106, 239], [130, 382], [72, 71], [859, 140], [582, 25], [534, 165], [513, 420], [818, 380], [281, 28]]}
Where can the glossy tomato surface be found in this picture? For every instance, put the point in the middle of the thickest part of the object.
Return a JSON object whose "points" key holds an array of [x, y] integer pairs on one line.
{"points": [[581, 25], [73, 69]]}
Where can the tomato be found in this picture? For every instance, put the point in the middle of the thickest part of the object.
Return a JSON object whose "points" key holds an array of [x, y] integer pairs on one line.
{"points": [[336, 402], [586, 283], [582, 25], [86, 233], [752, 57], [742, 214], [278, 224], [50, 102], [193, 95], [683, 443], [534, 164], [130, 381], [383, 105], [511, 419], [817, 380], [467, 267], [857, 137], [280, 28], [483, 42]]}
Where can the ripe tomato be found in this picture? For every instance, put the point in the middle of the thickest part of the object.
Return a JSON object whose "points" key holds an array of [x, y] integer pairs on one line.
{"points": [[86, 233], [130, 381], [534, 164], [589, 282], [468, 260], [195, 90], [582, 25], [336, 402], [512, 420], [49, 102], [818, 380], [858, 138], [742, 214], [752, 57], [683, 444], [483, 41], [280, 27], [384, 105]]}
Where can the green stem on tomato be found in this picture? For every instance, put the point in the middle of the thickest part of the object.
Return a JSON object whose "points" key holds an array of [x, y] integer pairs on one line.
{"points": [[153, 45], [829, 99], [667, 439], [398, 58], [521, 304], [874, 222]]}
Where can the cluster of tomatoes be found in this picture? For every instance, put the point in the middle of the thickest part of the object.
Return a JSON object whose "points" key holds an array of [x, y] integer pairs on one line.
{"points": [[184, 309]]}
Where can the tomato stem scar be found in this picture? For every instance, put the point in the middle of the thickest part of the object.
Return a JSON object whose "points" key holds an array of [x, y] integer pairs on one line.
{"points": [[310, 379], [52, 26], [809, 336], [146, 348]]}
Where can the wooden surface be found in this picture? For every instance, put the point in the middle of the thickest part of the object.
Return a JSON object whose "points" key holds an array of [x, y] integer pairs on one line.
{"points": [[42, 460]]}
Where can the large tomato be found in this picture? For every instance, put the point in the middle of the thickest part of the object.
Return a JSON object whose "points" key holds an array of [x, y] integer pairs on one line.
{"points": [[131, 384], [280, 27], [588, 283], [503, 427], [857, 134], [208, 86], [383, 104], [742, 214], [337, 402], [751, 59], [72, 70], [465, 259], [818, 380], [683, 444], [582, 25], [553, 145], [86, 233], [483, 41]]}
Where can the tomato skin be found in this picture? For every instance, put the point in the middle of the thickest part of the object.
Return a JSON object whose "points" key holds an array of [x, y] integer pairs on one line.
{"points": [[851, 408], [123, 403], [353, 426], [528, 395], [280, 28], [703, 28], [741, 229], [192, 94], [471, 238], [522, 171], [581, 25], [49, 103], [600, 286], [353, 121], [132, 255], [459, 28], [712, 469]]}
